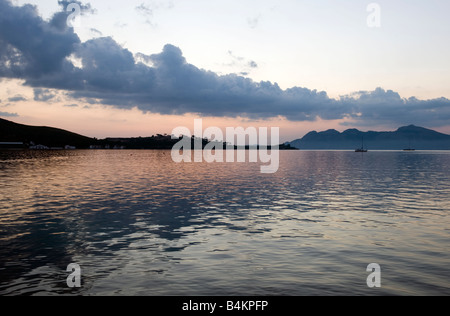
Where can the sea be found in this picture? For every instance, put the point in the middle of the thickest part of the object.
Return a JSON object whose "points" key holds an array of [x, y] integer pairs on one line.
{"points": [[137, 223]]}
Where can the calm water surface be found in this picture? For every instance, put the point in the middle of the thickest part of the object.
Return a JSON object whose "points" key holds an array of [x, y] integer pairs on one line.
{"points": [[139, 224]]}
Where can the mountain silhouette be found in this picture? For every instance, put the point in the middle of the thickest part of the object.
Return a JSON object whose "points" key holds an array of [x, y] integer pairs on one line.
{"points": [[411, 136], [58, 138], [48, 136], [51, 137]]}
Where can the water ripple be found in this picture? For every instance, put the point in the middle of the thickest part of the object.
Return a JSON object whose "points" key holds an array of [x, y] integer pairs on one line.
{"points": [[137, 223]]}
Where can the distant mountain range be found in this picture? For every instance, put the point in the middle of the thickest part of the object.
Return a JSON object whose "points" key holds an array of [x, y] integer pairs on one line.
{"points": [[411, 136]]}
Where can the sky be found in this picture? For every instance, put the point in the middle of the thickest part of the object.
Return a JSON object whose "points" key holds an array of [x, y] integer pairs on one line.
{"points": [[140, 67]]}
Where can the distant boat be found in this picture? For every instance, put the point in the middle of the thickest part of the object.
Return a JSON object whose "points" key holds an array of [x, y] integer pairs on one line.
{"points": [[409, 148], [362, 149]]}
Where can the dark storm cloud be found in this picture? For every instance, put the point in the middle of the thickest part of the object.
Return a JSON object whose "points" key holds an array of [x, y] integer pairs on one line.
{"points": [[30, 47], [38, 52]]}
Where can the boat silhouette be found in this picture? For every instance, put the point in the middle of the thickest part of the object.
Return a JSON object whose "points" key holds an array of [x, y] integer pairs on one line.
{"points": [[409, 148], [362, 149]]}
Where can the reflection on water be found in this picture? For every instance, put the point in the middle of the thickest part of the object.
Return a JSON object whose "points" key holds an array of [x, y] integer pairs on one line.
{"points": [[138, 223]]}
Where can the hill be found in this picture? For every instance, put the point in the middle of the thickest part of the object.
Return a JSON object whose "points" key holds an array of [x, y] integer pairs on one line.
{"points": [[48, 136], [405, 137]]}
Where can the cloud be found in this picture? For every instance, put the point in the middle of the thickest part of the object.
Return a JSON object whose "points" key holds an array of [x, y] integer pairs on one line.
{"points": [[17, 98], [254, 21], [42, 52], [43, 95], [147, 9], [31, 48], [84, 8], [95, 32], [252, 64], [120, 25], [245, 66], [388, 107], [7, 114]]}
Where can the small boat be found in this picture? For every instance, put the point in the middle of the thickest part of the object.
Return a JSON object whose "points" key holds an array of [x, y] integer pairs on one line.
{"points": [[409, 148], [362, 149]]}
